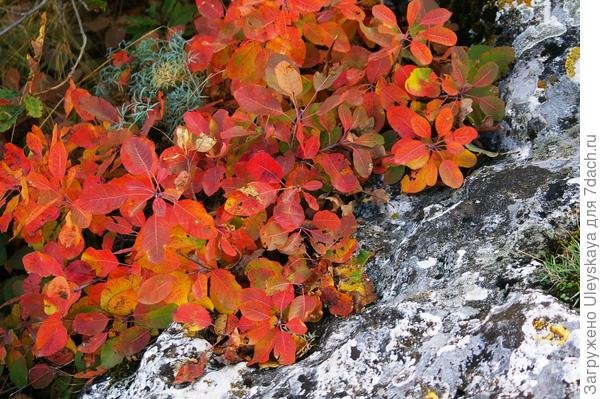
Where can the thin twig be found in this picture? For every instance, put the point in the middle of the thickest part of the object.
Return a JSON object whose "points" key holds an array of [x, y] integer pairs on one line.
{"points": [[22, 18], [79, 57]]}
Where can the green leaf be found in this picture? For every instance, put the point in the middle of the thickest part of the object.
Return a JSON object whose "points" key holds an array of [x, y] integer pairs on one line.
{"points": [[34, 106], [8, 94], [17, 368], [8, 116], [109, 358], [155, 317], [394, 174], [96, 4]]}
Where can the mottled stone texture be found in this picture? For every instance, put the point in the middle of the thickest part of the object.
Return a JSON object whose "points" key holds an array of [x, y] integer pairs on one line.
{"points": [[460, 314]]}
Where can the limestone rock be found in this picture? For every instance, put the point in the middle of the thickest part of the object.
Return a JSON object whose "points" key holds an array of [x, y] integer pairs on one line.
{"points": [[460, 314]]}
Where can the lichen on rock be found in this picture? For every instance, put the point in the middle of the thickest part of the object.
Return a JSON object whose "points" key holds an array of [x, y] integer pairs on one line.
{"points": [[460, 311]]}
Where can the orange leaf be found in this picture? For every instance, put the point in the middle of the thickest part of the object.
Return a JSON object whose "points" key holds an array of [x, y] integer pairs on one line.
{"points": [[444, 121], [225, 292], [451, 174], [384, 14], [57, 159], [194, 219], [463, 135], [421, 126], [440, 35], [51, 337], [155, 289], [399, 118], [421, 52]]}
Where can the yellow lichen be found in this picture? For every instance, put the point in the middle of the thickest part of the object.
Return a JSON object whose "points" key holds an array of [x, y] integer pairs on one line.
{"points": [[556, 333], [571, 62], [430, 395], [513, 3]]}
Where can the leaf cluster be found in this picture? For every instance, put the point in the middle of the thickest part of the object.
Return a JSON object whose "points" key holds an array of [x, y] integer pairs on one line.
{"points": [[241, 229]]}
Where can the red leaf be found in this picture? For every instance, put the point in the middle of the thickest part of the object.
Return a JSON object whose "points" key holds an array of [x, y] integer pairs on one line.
{"points": [[327, 221], [225, 292], [261, 166], [196, 122], [296, 326], [288, 213], [99, 108], [41, 375], [153, 238], [486, 74], [90, 323], [301, 307], [191, 370], [250, 199], [437, 16], [132, 340], [156, 289], [194, 219], [412, 153], [258, 100], [42, 265], [399, 118], [362, 161], [138, 156], [341, 175], [212, 9], [92, 344], [211, 179], [100, 199], [102, 261], [51, 337], [194, 315], [256, 305], [440, 35], [284, 348], [451, 174]]}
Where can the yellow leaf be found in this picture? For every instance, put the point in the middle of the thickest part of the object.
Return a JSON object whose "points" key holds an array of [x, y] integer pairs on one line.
{"points": [[288, 79], [119, 296]]}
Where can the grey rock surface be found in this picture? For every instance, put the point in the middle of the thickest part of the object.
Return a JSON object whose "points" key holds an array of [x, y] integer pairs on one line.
{"points": [[460, 314]]}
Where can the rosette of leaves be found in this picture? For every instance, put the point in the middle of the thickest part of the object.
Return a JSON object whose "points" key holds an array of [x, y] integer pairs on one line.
{"points": [[149, 76]]}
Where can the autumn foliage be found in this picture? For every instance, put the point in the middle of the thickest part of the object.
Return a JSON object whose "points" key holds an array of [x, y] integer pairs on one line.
{"points": [[240, 229]]}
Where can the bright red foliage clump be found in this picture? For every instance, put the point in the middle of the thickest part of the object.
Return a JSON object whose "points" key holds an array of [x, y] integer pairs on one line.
{"points": [[239, 228]]}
